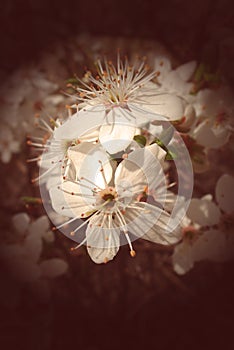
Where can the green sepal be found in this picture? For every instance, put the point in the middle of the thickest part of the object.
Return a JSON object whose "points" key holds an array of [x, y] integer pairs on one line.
{"points": [[170, 155], [140, 139], [31, 200]]}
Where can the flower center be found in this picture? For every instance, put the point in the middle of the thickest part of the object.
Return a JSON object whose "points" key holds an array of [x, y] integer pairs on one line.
{"points": [[108, 194], [108, 197]]}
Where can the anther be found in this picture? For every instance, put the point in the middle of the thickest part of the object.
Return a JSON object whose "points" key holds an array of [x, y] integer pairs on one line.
{"points": [[132, 253]]}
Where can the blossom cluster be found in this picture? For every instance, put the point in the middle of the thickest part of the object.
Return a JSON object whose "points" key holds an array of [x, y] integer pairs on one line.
{"points": [[121, 165]]}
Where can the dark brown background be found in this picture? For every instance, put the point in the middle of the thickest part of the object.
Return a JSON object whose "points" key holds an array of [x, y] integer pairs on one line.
{"points": [[115, 306]]}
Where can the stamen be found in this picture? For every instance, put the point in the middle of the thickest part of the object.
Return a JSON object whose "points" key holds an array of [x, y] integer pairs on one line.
{"points": [[33, 159], [44, 174], [123, 222], [75, 193], [83, 224]]}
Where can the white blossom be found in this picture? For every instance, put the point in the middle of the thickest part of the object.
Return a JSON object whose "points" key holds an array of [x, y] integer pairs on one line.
{"points": [[111, 200], [214, 110], [210, 235], [8, 144]]}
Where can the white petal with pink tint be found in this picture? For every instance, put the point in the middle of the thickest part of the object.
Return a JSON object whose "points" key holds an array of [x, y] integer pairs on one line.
{"points": [[203, 212], [21, 222], [116, 137], [87, 158], [182, 258], [205, 135], [186, 70], [168, 105], [67, 200]]}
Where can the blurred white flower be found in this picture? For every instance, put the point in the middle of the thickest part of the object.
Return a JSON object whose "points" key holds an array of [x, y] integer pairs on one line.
{"points": [[215, 110], [112, 103], [175, 81], [8, 144], [53, 160], [23, 257], [21, 97], [210, 235], [115, 204], [170, 95]]}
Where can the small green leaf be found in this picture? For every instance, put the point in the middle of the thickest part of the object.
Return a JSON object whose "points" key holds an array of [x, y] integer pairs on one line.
{"points": [[31, 200], [170, 156], [158, 142], [72, 81], [140, 139]]}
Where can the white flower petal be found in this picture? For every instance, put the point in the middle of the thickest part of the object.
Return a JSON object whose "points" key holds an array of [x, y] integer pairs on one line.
{"points": [[203, 212], [224, 193], [116, 138], [53, 268], [164, 232], [85, 121], [206, 137], [190, 116], [21, 222], [65, 203], [54, 100], [168, 105], [152, 224], [39, 226], [55, 153], [6, 156], [102, 241], [142, 116], [162, 65], [48, 236], [182, 258], [174, 84], [53, 178], [139, 169], [186, 70], [87, 159], [90, 136]]}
